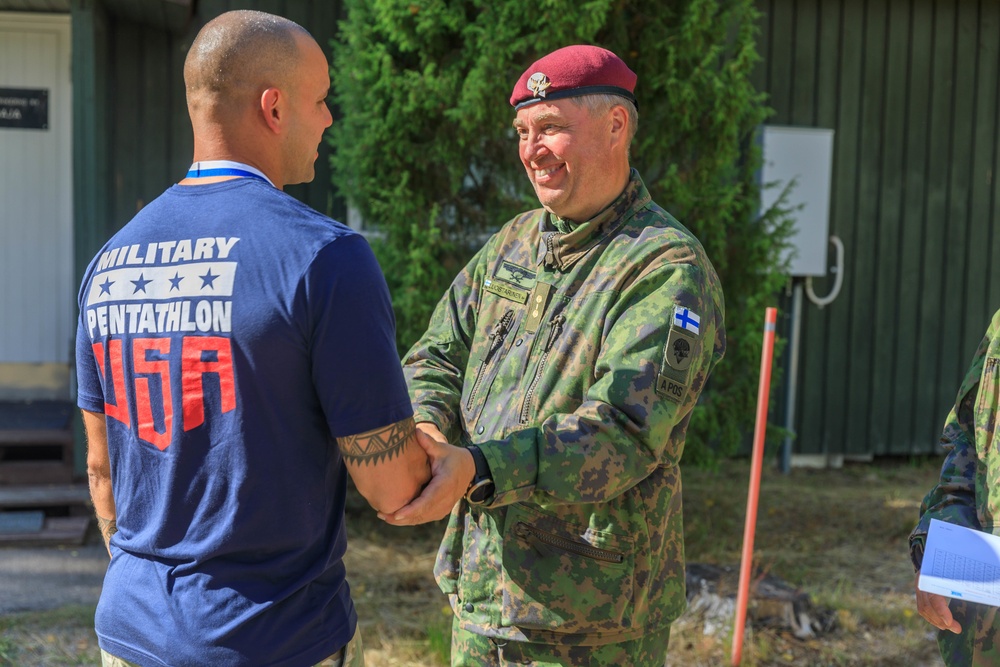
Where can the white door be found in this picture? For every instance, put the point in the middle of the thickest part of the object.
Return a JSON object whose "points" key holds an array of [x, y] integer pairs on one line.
{"points": [[36, 206]]}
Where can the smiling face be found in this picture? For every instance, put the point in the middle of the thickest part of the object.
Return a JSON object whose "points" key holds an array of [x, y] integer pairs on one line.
{"points": [[573, 158]]}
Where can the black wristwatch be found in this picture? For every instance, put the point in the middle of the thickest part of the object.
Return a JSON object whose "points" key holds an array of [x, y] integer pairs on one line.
{"points": [[481, 487]]}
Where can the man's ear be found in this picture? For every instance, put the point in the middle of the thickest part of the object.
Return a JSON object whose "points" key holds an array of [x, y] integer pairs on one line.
{"points": [[272, 108], [619, 124]]}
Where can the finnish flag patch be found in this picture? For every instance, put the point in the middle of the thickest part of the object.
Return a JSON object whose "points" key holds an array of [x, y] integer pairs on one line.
{"points": [[687, 320]]}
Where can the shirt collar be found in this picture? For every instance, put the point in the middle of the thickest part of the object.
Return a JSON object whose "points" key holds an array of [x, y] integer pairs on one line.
{"points": [[564, 243]]}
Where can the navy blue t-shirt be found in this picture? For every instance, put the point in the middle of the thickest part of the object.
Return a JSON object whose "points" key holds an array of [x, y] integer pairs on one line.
{"points": [[229, 333]]}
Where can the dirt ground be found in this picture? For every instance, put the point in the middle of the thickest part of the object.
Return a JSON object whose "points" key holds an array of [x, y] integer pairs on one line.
{"points": [[838, 535]]}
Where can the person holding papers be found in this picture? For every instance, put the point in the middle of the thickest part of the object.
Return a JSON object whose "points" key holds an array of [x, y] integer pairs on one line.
{"points": [[967, 494]]}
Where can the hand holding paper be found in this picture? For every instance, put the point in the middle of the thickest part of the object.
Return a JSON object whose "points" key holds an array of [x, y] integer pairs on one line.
{"points": [[961, 563]]}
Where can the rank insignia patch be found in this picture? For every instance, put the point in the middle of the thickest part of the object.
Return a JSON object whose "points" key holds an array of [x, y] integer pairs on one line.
{"points": [[515, 275]]}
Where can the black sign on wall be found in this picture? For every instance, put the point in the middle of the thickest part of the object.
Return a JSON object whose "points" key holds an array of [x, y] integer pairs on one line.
{"points": [[26, 108]]}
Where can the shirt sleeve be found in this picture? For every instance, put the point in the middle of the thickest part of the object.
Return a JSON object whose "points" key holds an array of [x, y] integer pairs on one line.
{"points": [[355, 365], [90, 391], [953, 498], [435, 364], [626, 425]]}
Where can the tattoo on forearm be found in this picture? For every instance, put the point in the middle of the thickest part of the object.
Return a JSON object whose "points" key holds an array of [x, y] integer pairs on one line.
{"points": [[108, 527], [374, 446]]}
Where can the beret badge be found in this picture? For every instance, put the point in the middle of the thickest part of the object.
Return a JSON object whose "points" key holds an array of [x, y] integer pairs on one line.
{"points": [[537, 84], [573, 71]]}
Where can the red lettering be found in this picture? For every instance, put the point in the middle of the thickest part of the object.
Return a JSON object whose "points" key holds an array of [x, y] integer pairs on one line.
{"points": [[193, 370], [192, 381], [119, 409], [144, 411]]}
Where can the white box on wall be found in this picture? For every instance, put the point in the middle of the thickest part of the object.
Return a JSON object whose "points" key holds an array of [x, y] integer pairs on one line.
{"points": [[804, 154]]}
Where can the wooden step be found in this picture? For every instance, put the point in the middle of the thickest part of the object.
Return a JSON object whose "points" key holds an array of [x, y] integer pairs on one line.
{"points": [[35, 436], [25, 415], [36, 472], [44, 495], [36, 442], [21, 503], [68, 530]]}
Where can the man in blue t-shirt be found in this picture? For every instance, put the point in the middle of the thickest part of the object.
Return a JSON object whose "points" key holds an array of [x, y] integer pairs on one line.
{"points": [[236, 360]]}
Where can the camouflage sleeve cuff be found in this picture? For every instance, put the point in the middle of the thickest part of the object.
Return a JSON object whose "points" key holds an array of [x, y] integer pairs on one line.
{"points": [[917, 551], [514, 465], [445, 425]]}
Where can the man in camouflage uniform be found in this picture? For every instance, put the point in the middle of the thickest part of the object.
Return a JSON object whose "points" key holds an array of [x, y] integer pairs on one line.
{"points": [[968, 494], [565, 361]]}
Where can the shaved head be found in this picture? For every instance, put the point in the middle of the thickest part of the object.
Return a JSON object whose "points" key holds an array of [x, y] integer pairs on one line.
{"points": [[257, 87], [238, 55]]}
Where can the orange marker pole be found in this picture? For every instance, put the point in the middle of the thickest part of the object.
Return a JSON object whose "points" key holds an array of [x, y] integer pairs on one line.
{"points": [[763, 392]]}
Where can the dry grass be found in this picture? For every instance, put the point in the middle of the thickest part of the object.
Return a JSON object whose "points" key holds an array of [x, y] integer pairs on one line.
{"points": [[840, 535], [63, 636], [400, 609]]}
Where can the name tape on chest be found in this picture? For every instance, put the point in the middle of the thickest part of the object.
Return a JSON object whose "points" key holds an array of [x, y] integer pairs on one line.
{"points": [[506, 291]]}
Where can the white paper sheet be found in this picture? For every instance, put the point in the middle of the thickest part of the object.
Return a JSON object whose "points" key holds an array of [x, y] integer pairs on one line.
{"points": [[961, 563]]}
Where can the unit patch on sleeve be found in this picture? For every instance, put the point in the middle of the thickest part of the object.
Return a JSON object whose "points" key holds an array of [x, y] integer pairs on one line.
{"points": [[679, 350], [683, 345], [670, 388]]}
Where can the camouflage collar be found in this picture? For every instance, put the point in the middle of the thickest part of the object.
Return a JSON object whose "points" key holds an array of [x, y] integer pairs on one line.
{"points": [[561, 250]]}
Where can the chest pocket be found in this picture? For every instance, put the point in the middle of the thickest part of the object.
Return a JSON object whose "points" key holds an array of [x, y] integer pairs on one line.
{"points": [[484, 364], [555, 329]]}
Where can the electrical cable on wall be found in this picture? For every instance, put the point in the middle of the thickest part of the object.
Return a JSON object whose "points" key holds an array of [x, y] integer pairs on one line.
{"points": [[837, 269]]}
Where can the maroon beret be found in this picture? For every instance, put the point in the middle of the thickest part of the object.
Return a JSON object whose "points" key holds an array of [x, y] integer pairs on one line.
{"points": [[573, 71]]}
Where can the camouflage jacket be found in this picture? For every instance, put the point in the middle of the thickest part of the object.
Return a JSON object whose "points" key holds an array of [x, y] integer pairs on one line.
{"points": [[573, 359], [968, 493]]}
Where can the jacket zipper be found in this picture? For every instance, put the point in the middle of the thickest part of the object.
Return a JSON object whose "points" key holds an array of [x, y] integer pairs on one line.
{"points": [[525, 530], [497, 337], [550, 254], [554, 331]]}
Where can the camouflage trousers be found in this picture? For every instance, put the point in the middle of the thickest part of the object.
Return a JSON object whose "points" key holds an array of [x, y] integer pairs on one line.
{"points": [[471, 650], [352, 655], [979, 643]]}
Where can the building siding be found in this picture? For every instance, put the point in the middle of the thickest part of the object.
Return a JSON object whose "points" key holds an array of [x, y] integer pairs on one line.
{"points": [[910, 87], [136, 75]]}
